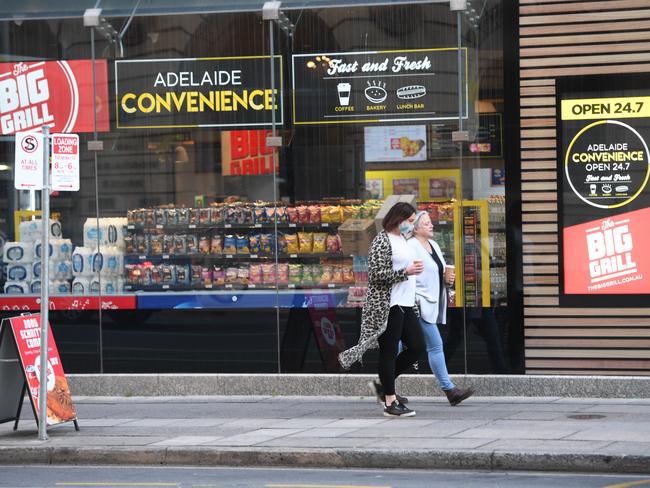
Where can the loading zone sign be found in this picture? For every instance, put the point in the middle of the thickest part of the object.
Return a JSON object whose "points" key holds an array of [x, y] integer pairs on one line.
{"points": [[65, 162]]}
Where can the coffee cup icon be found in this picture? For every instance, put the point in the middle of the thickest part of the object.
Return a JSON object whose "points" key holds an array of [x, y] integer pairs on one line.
{"points": [[592, 189], [344, 90]]}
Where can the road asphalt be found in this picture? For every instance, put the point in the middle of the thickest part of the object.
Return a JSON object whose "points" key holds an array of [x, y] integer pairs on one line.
{"points": [[498, 433]]}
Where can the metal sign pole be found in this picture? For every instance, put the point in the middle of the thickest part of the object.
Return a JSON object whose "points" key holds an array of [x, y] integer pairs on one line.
{"points": [[45, 282]]}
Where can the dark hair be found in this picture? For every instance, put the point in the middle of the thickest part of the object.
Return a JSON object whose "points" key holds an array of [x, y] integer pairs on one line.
{"points": [[396, 215]]}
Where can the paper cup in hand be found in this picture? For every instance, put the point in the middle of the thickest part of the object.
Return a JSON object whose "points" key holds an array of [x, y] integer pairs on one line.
{"points": [[450, 271]]}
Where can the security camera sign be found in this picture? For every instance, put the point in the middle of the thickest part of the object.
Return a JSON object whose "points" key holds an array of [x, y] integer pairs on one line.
{"points": [[28, 161], [65, 162]]}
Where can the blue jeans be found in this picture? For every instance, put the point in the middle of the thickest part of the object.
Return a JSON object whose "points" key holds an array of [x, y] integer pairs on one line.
{"points": [[435, 354]]}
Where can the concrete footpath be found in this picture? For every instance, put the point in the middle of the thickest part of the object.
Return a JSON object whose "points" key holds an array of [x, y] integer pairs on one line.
{"points": [[493, 433]]}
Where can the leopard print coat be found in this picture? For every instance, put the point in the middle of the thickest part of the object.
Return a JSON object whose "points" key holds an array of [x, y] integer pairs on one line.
{"points": [[374, 317]]}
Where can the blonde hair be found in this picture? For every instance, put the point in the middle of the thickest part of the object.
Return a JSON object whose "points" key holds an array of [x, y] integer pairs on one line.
{"points": [[417, 222]]}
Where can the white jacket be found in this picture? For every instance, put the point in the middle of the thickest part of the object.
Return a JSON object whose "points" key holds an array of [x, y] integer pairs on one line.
{"points": [[431, 299]]}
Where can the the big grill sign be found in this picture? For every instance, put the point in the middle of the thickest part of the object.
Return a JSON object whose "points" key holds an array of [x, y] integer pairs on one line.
{"points": [[54, 93]]}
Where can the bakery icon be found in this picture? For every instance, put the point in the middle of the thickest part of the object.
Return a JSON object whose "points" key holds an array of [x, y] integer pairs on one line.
{"points": [[375, 92]]}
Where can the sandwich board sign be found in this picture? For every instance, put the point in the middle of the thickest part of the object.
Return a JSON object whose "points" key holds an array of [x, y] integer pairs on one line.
{"points": [[20, 364]]}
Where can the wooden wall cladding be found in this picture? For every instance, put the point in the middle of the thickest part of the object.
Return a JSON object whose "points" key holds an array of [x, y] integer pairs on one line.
{"points": [[565, 38]]}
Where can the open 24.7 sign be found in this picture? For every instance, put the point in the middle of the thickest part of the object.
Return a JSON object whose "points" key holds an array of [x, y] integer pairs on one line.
{"points": [[604, 170]]}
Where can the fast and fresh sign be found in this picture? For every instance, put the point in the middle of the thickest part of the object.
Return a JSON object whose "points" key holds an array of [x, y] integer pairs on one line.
{"points": [[65, 162], [197, 92], [54, 93], [604, 169], [378, 86]]}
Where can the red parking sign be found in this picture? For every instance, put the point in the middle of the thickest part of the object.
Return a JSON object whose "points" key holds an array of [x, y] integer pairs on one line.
{"points": [[65, 162]]}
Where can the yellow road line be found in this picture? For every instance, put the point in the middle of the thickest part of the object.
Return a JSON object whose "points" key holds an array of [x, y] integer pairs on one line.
{"points": [[91, 483], [325, 486], [629, 483]]}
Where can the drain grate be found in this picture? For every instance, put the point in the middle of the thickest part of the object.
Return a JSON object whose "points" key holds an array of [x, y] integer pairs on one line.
{"points": [[586, 416]]}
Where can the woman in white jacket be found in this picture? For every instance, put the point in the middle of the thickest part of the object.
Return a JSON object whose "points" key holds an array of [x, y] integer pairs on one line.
{"points": [[431, 298]]}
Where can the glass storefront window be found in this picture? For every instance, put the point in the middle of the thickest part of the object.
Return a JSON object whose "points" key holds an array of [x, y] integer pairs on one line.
{"points": [[236, 255]]}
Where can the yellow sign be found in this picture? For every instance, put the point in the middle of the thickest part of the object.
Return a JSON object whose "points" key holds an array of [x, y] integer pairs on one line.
{"points": [[606, 108], [428, 185]]}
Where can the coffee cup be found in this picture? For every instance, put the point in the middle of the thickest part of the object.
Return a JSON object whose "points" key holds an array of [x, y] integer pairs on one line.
{"points": [[450, 271]]}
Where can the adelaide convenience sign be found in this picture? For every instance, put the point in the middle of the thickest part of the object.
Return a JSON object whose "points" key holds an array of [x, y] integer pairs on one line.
{"points": [[604, 169], [378, 86], [198, 92], [57, 93]]}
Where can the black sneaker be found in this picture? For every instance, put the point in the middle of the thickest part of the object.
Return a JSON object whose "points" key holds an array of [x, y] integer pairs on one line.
{"points": [[378, 391], [396, 409]]}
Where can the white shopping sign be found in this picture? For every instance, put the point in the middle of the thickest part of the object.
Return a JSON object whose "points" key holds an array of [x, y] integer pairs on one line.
{"points": [[65, 162], [29, 161]]}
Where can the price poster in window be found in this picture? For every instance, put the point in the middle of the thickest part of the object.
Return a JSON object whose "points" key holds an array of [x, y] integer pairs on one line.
{"points": [[603, 169]]}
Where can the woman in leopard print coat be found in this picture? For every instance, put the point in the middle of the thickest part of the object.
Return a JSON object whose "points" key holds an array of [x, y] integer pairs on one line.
{"points": [[389, 313], [374, 317]]}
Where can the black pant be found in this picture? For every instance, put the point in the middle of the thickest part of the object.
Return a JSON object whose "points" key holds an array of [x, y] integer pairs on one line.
{"points": [[403, 325]]}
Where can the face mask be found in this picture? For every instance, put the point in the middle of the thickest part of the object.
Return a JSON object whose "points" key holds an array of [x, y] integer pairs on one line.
{"points": [[406, 227]]}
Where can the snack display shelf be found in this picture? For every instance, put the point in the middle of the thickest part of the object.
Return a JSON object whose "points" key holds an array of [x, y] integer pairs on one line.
{"points": [[241, 257]]}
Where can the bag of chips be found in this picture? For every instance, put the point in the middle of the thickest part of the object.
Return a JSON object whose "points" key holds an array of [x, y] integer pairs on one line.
{"points": [[268, 272], [320, 242], [303, 214], [204, 244], [192, 243], [168, 244], [315, 214], [295, 274], [293, 247], [326, 275], [243, 245], [333, 243], [218, 276], [293, 215], [180, 244], [206, 276], [216, 244], [254, 243], [216, 215], [283, 274], [306, 242], [255, 274], [259, 215], [156, 245], [204, 216], [282, 243], [243, 275], [231, 276], [337, 274], [267, 244], [230, 244], [183, 216]]}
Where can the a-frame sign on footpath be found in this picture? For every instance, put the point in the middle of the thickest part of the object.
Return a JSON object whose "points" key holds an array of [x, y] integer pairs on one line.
{"points": [[20, 344]]}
